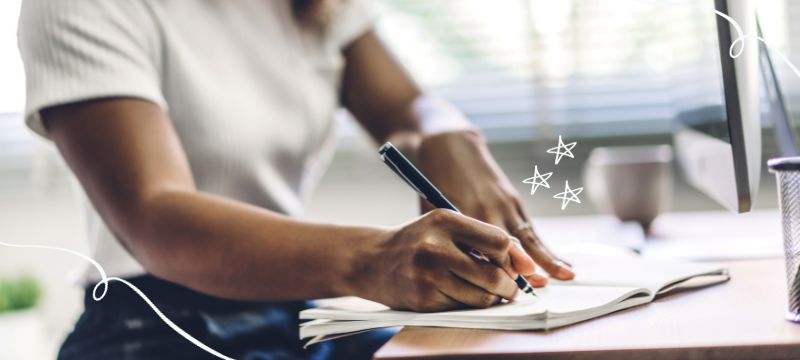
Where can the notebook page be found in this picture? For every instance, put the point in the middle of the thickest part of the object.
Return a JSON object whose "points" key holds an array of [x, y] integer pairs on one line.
{"points": [[570, 299], [525, 305], [634, 272], [552, 299], [563, 302]]}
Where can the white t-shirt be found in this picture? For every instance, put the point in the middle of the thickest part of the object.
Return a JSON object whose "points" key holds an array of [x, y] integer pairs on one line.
{"points": [[250, 91]]}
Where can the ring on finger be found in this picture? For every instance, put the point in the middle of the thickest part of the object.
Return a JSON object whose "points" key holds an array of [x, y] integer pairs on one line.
{"points": [[522, 227]]}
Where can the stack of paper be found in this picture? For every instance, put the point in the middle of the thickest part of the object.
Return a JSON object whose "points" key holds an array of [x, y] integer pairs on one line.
{"points": [[602, 286]]}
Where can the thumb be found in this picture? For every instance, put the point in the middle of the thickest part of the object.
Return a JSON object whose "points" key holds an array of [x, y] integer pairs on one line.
{"points": [[520, 260]]}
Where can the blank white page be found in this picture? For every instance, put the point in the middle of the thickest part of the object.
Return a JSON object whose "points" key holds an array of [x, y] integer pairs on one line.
{"points": [[634, 272], [559, 299]]}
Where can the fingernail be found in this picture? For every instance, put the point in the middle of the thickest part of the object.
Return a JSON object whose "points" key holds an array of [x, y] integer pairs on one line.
{"points": [[563, 263], [565, 272], [537, 280]]}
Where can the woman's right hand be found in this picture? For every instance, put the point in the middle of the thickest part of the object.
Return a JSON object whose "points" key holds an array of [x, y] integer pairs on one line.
{"points": [[424, 265]]}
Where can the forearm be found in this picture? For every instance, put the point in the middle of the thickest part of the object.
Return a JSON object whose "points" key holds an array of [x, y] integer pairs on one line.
{"points": [[390, 106], [387, 101], [438, 121], [233, 250], [130, 161]]}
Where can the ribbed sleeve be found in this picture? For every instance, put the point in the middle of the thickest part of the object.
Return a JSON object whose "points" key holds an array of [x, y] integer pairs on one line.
{"points": [[352, 20], [77, 50]]}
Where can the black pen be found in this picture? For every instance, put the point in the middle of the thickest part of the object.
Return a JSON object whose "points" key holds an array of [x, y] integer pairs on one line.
{"points": [[403, 167]]}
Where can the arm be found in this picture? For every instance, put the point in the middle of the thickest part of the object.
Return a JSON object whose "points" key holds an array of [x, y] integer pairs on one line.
{"points": [[381, 96], [379, 93], [129, 160]]}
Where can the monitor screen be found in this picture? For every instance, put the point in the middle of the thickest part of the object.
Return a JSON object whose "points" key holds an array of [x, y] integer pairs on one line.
{"points": [[699, 96], [716, 103]]}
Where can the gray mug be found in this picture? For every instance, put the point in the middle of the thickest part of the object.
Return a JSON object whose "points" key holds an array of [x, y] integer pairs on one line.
{"points": [[632, 182]]}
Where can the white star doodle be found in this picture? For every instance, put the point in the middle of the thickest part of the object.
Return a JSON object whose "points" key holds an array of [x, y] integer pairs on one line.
{"points": [[567, 149], [538, 179], [572, 197]]}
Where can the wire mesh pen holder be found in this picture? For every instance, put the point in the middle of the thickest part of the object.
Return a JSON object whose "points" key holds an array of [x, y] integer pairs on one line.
{"points": [[787, 172]]}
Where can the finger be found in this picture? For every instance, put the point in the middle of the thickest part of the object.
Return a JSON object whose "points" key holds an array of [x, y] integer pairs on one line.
{"points": [[534, 246], [537, 280], [519, 257], [442, 302], [434, 300], [468, 233], [540, 253], [468, 294], [521, 210], [485, 276], [493, 218], [520, 260]]}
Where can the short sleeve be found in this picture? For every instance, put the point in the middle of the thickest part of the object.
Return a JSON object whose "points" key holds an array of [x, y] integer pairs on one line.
{"points": [[353, 19], [77, 50]]}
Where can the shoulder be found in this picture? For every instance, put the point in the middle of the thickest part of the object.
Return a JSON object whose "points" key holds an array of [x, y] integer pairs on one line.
{"points": [[84, 32], [60, 19], [77, 50], [352, 19]]}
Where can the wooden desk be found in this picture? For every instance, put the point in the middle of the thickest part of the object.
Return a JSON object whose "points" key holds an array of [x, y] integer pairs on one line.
{"points": [[742, 319]]}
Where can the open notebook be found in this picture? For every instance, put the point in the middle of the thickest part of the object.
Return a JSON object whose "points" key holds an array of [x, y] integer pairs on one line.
{"points": [[602, 286]]}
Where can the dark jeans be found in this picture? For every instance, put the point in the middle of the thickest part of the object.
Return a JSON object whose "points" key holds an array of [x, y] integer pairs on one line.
{"points": [[122, 327]]}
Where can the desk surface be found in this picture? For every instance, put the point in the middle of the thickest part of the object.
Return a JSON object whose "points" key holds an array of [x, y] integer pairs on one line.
{"points": [[741, 319]]}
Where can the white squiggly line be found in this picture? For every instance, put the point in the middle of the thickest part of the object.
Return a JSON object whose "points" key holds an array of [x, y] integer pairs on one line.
{"points": [[104, 285], [741, 37]]}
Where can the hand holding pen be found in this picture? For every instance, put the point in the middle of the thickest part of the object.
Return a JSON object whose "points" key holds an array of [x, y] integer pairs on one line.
{"points": [[424, 266], [463, 168], [414, 178]]}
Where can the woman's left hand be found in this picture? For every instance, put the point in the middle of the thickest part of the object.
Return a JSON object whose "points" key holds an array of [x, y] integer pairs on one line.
{"points": [[460, 165]]}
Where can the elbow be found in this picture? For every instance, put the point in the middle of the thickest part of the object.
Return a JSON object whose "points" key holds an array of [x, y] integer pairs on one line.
{"points": [[149, 232], [166, 234]]}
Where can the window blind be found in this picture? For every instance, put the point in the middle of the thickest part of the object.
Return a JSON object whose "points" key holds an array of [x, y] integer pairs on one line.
{"points": [[518, 68], [522, 68]]}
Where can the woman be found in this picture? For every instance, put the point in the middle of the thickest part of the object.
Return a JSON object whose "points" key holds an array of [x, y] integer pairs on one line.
{"points": [[196, 128]]}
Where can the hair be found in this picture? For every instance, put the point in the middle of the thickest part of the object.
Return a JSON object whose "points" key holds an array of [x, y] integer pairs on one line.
{"points": [[314, 12]]}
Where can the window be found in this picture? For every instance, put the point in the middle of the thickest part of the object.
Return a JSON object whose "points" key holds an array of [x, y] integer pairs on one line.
{"points": [[520, 68], [11, 75], [15, 141]]}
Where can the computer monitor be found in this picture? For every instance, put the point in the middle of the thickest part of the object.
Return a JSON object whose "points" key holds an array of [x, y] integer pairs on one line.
{"points": [[775, 105], [718, 140]]}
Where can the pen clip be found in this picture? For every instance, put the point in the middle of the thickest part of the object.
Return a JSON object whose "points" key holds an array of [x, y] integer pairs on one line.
{"points": [[394, 168]]}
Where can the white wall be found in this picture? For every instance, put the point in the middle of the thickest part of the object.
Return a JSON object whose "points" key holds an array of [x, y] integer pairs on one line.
{"points": [[12, 79], [44, 220]]}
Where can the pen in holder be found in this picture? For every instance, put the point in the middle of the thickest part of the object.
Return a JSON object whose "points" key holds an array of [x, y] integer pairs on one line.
{"points": [[787, 171]]}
